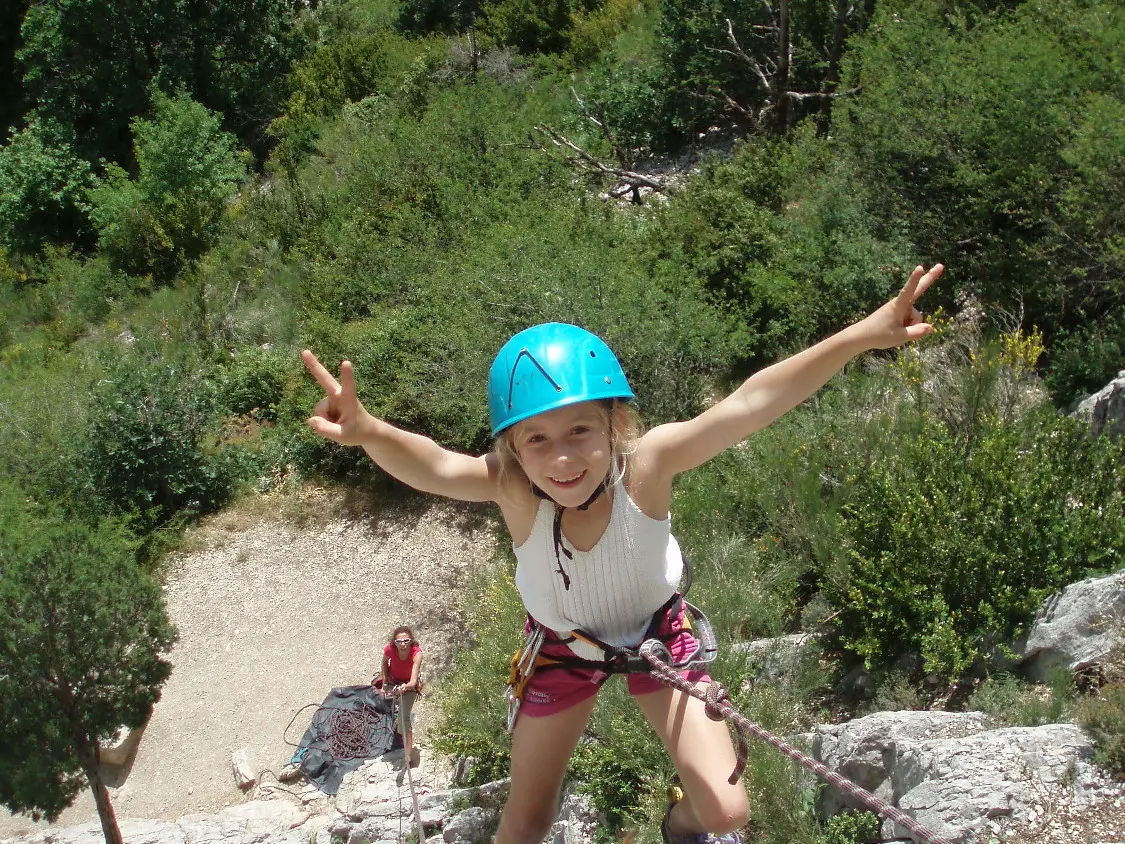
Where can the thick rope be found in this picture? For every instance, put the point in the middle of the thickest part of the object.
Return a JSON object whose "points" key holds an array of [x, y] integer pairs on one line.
{"points": [[349, 732], [409, 752], [719, 708]]}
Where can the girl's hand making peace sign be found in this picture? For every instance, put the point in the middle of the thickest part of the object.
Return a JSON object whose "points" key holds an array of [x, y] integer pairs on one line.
{"points": [[338, 416], [899, 321]]}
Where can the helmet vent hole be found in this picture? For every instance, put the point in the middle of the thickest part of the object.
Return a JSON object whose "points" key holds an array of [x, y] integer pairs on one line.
{"points": [[607, 380], [593, 354]]}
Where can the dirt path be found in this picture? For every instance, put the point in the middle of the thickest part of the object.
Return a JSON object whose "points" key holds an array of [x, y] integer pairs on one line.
{"points": [[271, 616]]}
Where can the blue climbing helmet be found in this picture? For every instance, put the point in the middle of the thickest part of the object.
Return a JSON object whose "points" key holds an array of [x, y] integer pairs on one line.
{"points": [[550, 366]]}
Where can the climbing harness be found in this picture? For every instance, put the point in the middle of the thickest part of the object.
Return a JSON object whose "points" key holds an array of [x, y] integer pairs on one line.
{"points": [[719, 708], [654, 658], [529, 659]]}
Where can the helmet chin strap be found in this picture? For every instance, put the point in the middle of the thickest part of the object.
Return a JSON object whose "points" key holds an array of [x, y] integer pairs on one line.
{"points": [[557, 527]]}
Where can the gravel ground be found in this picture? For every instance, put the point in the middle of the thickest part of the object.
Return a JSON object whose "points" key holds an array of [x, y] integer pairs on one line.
{"points": [[271, 616]]}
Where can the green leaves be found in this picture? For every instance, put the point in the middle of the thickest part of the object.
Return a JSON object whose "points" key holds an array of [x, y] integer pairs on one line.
{"points": [[83, 634], [995, 144], [89, 65], [187, 170], [43, 188], [147, 434]]}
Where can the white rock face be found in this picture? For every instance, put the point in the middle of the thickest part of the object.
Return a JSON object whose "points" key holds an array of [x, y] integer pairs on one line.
{"points": [[1105, 409], [955, 786], [955, 777], [1077, 628]]}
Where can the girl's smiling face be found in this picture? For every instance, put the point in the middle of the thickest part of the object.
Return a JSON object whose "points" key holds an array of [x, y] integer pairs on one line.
{"points": [[565, 452]]}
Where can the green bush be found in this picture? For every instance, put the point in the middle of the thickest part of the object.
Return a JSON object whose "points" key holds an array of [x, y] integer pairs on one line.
{"points": [[596, 29], [1103, 718], [43, 189], [1084, 360], [254, 382], [44, 395], [348, 68], [473, 711], [923, 515], [851, 828], [80, 292], [783, 237], [950, 553], [1010, 703], [187, 170], [150, 425], [994, 141], [529, 26]]}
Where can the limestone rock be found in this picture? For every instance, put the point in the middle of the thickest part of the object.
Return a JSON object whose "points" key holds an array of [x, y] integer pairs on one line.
{"points": [[1077, 628], [1105, 409]]}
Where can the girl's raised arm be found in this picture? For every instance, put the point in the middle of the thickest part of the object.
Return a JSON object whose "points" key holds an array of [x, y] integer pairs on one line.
{"points": [[773, 391], [411, 458]]}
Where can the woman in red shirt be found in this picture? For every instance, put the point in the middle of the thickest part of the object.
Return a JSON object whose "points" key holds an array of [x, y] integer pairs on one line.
{"points": [[402, 662]]}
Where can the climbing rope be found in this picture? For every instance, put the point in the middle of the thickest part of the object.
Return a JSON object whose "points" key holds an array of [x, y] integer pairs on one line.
{"points": [[719, 708], [348, 733], [408, 753]]}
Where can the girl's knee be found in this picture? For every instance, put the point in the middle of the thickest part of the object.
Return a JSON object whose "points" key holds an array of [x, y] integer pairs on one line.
{"points": [[525, 823], [724, 810]]}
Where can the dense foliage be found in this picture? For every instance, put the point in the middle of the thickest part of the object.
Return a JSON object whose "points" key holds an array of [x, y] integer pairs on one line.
{"points": [[83, 636], [190, 194]]}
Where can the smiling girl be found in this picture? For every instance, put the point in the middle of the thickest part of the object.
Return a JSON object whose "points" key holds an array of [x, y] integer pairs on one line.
{"points": [[585, 498]]}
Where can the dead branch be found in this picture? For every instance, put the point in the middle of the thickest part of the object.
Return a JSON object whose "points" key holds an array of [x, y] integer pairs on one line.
{"points": [[602, 123], [629, 180], [766, 72]]}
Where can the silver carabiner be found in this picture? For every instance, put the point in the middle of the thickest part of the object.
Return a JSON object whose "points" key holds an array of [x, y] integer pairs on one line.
{"points": [[524, 663], [513, 709]]}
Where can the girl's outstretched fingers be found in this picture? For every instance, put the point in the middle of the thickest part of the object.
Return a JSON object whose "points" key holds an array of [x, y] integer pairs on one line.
{"points": [[919, 282], [339, 415], [316, 370], [899, 321]]}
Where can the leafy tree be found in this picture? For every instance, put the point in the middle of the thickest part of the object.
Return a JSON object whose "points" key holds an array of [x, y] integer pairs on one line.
{"points": [[449, 16], [83, 634], [996, 142], [148, 427], [169, 215], [764, 64], [346, 69], [89, 63], [43, 187], [87, 66], [530, 26], [11, 107]]}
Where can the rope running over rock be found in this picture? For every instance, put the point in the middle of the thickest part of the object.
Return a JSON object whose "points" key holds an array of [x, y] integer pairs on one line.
{"points": [[719, 708]]}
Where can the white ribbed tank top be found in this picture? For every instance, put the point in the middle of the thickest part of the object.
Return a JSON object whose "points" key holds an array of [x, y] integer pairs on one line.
{"points": [[615, 587]]}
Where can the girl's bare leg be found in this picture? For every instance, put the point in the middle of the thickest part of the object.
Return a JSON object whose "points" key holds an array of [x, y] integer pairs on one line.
{"points": [[703, 754], [541, 748]]}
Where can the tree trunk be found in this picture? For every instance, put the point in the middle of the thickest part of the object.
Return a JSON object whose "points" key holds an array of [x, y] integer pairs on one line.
{"points": [[835, 53], [108, 817], [781, 77], [836, 50], [86, 748]]}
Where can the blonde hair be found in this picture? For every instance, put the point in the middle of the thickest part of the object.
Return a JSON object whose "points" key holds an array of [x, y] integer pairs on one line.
{"points": [[625, 430]]}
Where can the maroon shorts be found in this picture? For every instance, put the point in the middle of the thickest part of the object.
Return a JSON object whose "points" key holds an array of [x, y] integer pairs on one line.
{"points": [[552, 690]]}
